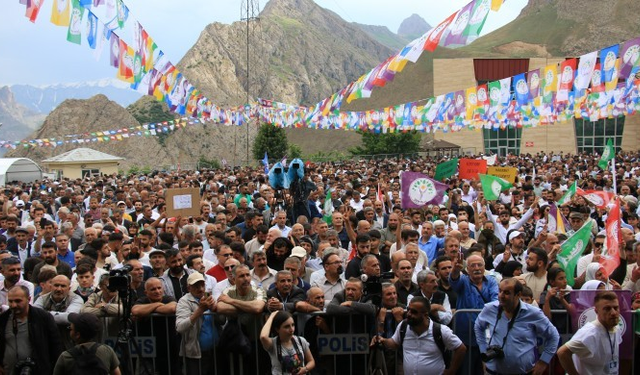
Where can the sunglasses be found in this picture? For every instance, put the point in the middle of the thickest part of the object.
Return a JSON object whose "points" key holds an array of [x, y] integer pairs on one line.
{"points": [[229, 268], [598, 244]]}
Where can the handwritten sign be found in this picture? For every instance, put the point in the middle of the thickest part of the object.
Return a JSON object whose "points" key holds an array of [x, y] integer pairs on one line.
{"points": [[470, 168], [507, 173], [183, 202]]}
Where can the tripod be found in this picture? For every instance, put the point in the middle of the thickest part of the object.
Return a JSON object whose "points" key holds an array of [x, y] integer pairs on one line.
{"points": [[125, 340]]}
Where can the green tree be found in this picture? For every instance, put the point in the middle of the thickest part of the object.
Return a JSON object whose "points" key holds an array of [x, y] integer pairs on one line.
{"points": [[390, 143], [272, 140], [295, 151]]}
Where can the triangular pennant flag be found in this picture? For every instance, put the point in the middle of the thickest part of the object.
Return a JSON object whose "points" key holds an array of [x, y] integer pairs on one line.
{"points": [[492, 186]]}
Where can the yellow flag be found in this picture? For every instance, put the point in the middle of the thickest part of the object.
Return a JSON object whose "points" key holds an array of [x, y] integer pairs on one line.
{"points": [[60, 13], [550, 81], [496, 4], [611, 84], [471, 102]]}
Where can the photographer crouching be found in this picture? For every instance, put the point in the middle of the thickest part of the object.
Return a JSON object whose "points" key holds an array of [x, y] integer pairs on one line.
{"points": [[507, 331]]}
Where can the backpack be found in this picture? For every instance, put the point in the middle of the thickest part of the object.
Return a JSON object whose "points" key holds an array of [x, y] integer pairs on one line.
{"points": [[86, 362], [437, 337]]}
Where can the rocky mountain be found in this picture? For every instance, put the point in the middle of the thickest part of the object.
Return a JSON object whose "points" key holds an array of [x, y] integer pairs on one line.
{"points": [[383, 35], [300, 53], [17, 120], [413, 27], [44, 99]]}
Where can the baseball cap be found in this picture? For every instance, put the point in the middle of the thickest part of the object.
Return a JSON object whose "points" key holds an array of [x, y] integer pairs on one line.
{"points": [[19, 203], [157, 251], [194, 278], [576, 215], [515, 234], [88, 325], [22, 230], [120, 202], [298, 252]]}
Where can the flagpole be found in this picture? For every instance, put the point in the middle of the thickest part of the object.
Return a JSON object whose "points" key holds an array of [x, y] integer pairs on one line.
{"points": [[613, 175]]}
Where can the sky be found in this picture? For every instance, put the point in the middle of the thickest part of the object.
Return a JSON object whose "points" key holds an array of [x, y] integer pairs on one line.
{"points": [[39, 54]]}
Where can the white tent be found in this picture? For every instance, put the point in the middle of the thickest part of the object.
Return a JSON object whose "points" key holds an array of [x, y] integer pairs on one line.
{"points": [[19, 169]]}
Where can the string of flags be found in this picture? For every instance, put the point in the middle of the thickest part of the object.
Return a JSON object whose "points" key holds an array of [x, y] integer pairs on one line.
{"points": [[597, 85]]}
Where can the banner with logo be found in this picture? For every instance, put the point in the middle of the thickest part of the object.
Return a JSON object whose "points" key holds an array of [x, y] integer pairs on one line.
{"points": [[470, 168], [585, 312], [419, 190]]}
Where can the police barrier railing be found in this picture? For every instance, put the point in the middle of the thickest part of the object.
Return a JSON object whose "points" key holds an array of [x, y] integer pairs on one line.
{"points": [[339, 343]]}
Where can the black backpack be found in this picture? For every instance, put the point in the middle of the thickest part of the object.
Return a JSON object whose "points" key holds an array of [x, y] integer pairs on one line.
{"points": [[437, 336], [86, 362]]}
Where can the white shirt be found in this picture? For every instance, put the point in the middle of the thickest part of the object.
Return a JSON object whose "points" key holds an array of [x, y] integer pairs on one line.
{"points": [[421, 354], [592, 351]]}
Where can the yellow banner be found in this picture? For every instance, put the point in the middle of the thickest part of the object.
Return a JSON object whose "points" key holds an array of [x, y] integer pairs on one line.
{"points": [[507, 173]]}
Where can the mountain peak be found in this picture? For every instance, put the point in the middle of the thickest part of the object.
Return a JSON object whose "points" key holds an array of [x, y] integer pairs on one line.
{"points": [[413, 26], [289, 8]]}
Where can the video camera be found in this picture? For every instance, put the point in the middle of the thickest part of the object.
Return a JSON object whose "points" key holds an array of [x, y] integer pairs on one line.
{"points": [[373, 286], [119, 279]]}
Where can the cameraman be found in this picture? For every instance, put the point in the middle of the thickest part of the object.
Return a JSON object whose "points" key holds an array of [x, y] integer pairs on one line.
{"points": [[514, 327]]}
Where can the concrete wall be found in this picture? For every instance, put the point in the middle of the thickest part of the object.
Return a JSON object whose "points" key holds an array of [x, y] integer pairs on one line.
{"points": [[75, 170], [458, 74]]}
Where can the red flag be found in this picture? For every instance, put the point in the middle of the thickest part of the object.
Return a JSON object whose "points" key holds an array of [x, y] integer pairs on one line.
{"points": [[610, 259], [436, 34], [598, 197], [33, 8], [566, 76]]}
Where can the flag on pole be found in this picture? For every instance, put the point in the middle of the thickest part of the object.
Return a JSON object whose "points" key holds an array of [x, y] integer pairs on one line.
{"points": [[598, 198], [607, 154], [569, 194], [328, 207], [265, 162], [610, 258], [492, 186], [571, 250], [419, 190]]}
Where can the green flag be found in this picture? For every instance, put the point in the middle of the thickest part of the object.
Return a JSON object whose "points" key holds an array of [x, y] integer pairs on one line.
{"points": [[492, 186], [569, 194], [328, 208], [446, 169], [607, 154], [571, 250], [74, 32]]}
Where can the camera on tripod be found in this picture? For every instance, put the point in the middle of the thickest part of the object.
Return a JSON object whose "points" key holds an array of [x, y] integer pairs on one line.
{"points": [[119, 279], [373, 286]]}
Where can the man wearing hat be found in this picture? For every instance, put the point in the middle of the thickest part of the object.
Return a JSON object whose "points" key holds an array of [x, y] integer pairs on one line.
{"points": [[20, 246], [515, 250], [83, 329], [196, 327], [576, 220]]}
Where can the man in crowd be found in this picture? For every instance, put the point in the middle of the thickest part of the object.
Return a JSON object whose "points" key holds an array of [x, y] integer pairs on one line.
{"points": [[285, 295], [515, 327], [331, 283], [262, 274], [12, 274], [61, 302], [175, 277]]}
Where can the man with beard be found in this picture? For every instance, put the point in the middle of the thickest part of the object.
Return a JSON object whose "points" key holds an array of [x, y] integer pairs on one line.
{"points": [[331, 283], [60, 302], [363, 247], [443, 267], [285, 295], [388, 234], [175, 278], [258, 241], [20, 246], [158, 261], [11, 270], [32, 334], [421, 353], [50, 256], [536, 276], [156, 301], [502, 226], [515, 250]]}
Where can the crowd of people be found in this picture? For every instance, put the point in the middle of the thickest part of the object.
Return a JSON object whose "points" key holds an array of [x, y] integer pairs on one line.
{"points": [[263, 271]]}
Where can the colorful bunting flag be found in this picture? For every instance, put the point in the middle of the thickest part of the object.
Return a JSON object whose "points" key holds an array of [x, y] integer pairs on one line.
{"points": [[60, 12], [630, 57], [565, 84], [608, 153], [456, 36], [585, 70], [610, 64], [74, 33], [435, 34]]}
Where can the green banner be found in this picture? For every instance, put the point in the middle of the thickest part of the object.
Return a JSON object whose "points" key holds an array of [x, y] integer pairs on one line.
{"points": [[446, 169]]}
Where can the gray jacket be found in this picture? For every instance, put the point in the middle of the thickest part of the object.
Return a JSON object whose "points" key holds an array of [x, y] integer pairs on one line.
{"points": [[190, 343]]}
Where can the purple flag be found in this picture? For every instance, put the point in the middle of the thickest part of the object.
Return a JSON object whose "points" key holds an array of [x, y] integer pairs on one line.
{"points": [[630, 56], [114, 59], [585, 312], [419, 190], [456, 36], [533, 78]]}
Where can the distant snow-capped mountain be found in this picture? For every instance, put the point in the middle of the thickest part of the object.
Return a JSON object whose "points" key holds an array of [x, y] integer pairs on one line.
{"points": [[44, 99]]}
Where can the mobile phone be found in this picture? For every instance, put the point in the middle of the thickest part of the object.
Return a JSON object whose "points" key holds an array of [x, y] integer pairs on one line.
{"points": [[207, 294]]}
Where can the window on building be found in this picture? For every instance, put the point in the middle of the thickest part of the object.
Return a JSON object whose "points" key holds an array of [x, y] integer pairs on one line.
{"points": [[90, 173], [503, 141], [591, 136]]}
